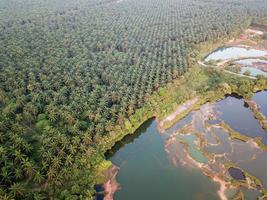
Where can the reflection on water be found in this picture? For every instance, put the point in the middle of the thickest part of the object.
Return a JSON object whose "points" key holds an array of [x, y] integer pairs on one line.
{"points": [[261, 98], [253, 71], [250, 194], [234, 53], [191, 140], [236, 173], [147, 173], [232, 110], [223, 145], [252, 159], [128, 139], [250, 62], [172, 165]]}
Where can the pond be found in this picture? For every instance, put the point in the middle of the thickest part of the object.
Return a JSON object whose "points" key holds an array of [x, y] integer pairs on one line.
{"points": [[253, 71], [236, 173], [229, 53], [254, 66], [193, 165]]}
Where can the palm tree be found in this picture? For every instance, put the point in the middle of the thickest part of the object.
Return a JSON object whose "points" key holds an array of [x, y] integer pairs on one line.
{"points": [[18, 155], [6, 197], [69, 160], [28, 167], [51, 173], [38, 177], [18, 173], [56, 162], [6, 174], [38, 196], [17, 189]]}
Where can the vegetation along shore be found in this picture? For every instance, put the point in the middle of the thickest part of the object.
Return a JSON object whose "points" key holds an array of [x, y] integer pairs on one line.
{"points": [[78, 76]]}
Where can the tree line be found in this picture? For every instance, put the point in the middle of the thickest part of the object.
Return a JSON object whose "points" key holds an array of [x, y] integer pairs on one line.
{"points": [[73, 71]]}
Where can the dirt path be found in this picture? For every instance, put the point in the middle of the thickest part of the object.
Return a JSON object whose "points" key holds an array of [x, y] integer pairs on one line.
{"points": [[218, 67], [241, 75], [111, 185], [183, 107], [245, 40]]}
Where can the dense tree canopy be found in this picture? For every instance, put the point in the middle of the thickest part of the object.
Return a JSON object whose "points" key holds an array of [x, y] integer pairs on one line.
{"points": [[72, 71]]}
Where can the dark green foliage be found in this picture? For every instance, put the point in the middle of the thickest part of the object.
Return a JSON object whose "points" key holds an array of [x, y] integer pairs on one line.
{"points": [[72, 71]]}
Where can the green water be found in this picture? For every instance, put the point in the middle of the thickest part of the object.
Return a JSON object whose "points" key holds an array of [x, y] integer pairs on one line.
{"points": [[149, 171], [196, 154], [146, 172]]}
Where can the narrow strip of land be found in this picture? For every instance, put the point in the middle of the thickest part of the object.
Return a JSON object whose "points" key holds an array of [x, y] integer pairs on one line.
{"points": [[227, 71], [183, 107]]}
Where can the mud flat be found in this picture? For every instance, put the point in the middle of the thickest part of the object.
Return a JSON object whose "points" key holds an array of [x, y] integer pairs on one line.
{"points": [[237, 164], [234, 112], [187, 106], [147, 171], [244, 56], [255, 63], [212, 153]]}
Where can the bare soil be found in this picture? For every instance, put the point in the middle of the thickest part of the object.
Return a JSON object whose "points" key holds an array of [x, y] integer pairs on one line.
{"points": [[183, 107], [111, 185]]}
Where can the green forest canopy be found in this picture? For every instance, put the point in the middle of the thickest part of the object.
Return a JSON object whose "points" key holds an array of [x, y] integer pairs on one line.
{"points": [[72, 71]]}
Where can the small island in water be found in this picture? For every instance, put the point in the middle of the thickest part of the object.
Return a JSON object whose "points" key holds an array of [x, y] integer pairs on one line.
{"points": [[133, 99], [204, 149]]}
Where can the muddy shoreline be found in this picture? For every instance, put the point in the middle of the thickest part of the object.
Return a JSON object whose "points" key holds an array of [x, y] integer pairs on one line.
{"points": [[223, 179]]}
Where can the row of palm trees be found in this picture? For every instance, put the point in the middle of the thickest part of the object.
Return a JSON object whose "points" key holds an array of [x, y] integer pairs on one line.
{"points": [[73, 72]]}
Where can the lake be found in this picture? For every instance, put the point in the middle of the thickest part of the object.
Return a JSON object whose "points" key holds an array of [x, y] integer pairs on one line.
{"points": [[147, 173], [192, 165]]}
